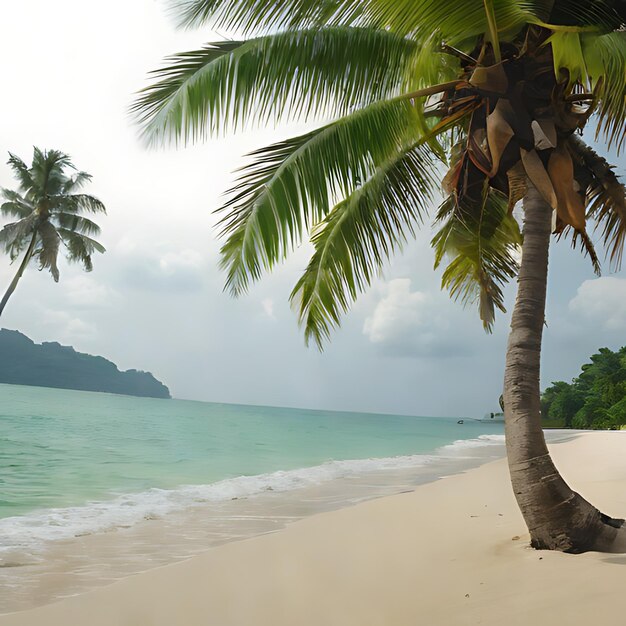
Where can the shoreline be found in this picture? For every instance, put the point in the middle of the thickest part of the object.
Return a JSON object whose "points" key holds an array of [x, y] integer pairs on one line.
{"points": [[85, 561], [452, 551]]}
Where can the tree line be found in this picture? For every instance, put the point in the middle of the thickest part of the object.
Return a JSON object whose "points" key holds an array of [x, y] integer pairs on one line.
{"points": [[594, 399]]}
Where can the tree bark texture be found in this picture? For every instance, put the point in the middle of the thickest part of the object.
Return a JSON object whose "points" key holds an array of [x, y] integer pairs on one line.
{"points": [[557, 517]]}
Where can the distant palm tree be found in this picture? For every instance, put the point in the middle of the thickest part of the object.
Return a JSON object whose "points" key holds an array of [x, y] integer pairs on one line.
{"points": [[48, 210], [497, 91]]}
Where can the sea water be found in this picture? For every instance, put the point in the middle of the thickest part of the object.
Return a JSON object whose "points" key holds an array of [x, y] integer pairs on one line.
{"points": [[79, 470]]}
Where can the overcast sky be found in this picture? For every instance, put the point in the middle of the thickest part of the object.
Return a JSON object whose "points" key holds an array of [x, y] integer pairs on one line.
{"points": [[154, 301]]}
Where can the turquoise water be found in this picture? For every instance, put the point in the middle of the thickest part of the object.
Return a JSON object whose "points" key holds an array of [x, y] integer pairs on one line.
{"points": [[74, 462]]}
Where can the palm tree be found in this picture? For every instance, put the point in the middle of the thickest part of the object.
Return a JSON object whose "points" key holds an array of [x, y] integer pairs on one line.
{"points": [[47, 208], [496, 91]]}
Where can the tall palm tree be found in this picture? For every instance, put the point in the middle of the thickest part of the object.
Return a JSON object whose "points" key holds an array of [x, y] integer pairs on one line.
{"points": [[48, 209], [496, 91]]}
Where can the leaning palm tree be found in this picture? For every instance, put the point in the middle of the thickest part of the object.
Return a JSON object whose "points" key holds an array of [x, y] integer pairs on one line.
{"points": [[47, 207], [496, 92]]}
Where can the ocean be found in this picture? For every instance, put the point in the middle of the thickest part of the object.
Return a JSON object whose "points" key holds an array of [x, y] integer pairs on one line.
{"points": [[84, 476]]}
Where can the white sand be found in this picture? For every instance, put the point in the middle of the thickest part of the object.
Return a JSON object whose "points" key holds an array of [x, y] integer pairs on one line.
{"points": [[451, 552]]}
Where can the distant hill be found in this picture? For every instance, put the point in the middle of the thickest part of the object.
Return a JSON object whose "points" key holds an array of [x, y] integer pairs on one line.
{"points": [[24, 362]]}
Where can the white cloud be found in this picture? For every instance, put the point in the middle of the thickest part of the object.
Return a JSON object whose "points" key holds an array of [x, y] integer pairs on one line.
{"points": [[85, 292], [415, 323], [175, 271], [268, 307], [173, 262], [68, 328], [170, 315], [603, 301]]}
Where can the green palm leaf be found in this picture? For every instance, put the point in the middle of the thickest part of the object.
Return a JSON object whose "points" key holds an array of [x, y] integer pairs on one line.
{"points": [[15, 206], [599, 14], [76, 182], [481, 246], [606, 199], [48, 252], [605, 57], [20, 171], [293, 184], [326, 72], [48, 213], [359, 235], [424, 17], [13, 236], [455, 22], [47, 172], [75, 203], [77, 223], [259, 15], [80, 248], [365, 62]]}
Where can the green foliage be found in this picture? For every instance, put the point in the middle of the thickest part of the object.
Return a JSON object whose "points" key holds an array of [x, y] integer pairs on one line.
{"points": [[496, 89], [358, 236], [52, 365], [596, 399], [47, 206], [457, 20], [313, 72], [292, 185], [481, 242]]}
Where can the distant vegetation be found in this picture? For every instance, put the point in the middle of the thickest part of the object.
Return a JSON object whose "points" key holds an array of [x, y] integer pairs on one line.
{"points": [[49, 209], [596, 399], [24, 362]]}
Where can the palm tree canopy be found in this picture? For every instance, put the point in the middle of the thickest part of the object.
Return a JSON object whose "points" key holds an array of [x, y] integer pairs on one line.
{"points": [[495, 92], [47, 208]]}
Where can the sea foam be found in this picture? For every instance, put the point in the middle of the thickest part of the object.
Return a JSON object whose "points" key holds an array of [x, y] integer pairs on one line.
{"points": [[23, 537]]}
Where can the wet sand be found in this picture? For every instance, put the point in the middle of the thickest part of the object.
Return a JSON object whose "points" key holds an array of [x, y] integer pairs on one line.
{"points": [[450, 552]]}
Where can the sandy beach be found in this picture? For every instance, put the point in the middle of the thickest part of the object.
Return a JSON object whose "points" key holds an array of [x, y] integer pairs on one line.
{"points": [[450, 552]]}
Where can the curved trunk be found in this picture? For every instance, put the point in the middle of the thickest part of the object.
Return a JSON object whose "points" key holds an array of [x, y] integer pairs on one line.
{"points": [[20, 271], [557, 517]]}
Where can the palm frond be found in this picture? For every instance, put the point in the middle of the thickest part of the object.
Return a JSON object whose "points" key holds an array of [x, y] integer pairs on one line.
{"points": [[20, 171], [492, 25], [80, 248], [166, 97], [292, 184], [481, 246], [589, 250], [76, 223], [76, 182], [289, 75], [258, 15], [604, 14], [406, 16], [568, 54], [455, 22], [605, 56], [606, 199], [359, 235], [75, 203], [48, 251], [13, 236], [48, 171], [16, 205]]}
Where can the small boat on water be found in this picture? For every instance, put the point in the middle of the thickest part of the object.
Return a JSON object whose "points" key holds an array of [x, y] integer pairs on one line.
{"points": [[493, 417]]}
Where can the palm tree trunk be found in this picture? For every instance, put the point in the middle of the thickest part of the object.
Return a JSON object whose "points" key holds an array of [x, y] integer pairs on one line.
{"points": [[20, 271], [557, 517]]}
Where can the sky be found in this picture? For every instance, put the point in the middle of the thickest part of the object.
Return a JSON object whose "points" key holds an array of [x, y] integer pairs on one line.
{"points": [[155, 300]]}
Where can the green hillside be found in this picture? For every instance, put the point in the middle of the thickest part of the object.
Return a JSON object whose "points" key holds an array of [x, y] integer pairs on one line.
{"points": [[23, 362]]}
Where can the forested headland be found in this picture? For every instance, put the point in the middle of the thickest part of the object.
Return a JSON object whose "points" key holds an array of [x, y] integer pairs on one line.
{"points": [[24, 362]]}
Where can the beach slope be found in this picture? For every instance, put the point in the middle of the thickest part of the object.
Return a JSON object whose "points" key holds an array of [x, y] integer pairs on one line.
{"points": [[450, 552]]}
